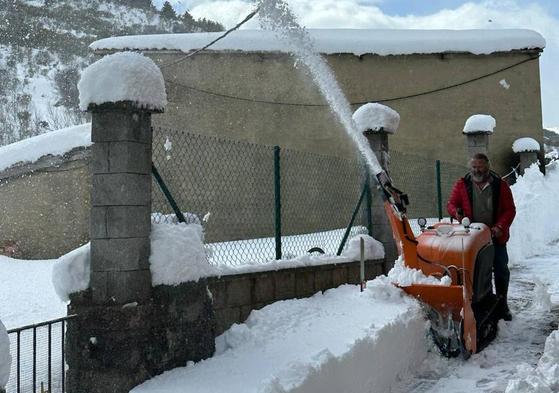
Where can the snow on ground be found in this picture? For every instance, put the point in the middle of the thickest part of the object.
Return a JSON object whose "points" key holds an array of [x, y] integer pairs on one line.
{"points": [[55, 143], [356, 41], [342, 340]]}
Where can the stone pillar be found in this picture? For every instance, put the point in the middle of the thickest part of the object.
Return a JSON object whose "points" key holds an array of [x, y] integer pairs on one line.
{"points": [[121, 203], [477, 142], [382, 231], [527, 158]]}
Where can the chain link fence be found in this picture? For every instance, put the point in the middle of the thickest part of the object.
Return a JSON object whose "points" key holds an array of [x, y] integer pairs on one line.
{"points": [[260, 203], [231, 188]]}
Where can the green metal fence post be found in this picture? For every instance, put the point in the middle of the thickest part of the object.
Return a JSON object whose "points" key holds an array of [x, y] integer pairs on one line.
{"points": [[348, 229], [167, 193], [439, 192], [277, 195]]}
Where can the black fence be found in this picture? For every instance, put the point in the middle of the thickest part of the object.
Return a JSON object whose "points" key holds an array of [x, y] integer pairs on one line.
{"points": [[259, 203], [38, 355]]}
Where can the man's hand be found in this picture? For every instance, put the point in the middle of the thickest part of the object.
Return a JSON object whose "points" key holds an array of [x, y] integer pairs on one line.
{"points": [[496, 232], [459, 214]]}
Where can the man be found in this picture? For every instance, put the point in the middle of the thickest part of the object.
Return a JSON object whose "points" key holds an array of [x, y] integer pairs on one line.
{"points": [[484, 197]]}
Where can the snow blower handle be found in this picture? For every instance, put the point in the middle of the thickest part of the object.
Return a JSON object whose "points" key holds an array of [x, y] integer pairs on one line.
{"points": [[396, 197]]}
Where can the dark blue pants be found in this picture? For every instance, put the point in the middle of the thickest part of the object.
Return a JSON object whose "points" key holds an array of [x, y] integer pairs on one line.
{"points": [[501, 270]]}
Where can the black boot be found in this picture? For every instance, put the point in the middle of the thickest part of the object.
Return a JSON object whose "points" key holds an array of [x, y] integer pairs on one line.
{"points": [[504, 307]]}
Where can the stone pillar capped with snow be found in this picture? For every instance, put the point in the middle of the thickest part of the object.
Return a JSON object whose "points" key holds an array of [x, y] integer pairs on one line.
{"points": [[376, 122], [477, 130], [527, 150], [121, 91]]}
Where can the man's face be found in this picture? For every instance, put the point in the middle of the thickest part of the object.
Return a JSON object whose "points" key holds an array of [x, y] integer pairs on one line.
{"points": [[479, 169]]}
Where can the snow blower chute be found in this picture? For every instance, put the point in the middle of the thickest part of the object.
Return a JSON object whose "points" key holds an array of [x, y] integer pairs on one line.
{"points": [[464, 314]]}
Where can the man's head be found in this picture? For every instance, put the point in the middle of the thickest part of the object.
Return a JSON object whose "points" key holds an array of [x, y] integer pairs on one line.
{"points": [[479, 167]]}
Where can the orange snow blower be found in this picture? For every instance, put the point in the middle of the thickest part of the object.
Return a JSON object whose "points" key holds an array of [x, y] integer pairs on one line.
{"points": [[463, 315]]}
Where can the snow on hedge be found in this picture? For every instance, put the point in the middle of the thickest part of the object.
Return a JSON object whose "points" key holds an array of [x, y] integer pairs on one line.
{"points": [[525, 144], [376, 117], [70, 274], [342, 340], [5, 357], [480, 123], [55, 143], [126, 76], [373, 248], [356, 41]]}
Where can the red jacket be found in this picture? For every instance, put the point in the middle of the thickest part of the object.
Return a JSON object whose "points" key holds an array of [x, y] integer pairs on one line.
{"points": [[503, 203]]}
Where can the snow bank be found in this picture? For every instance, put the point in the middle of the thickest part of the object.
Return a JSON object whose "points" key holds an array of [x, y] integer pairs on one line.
{"points": [[5, 357], [376, 117], [123, 76], [404, 276], [373, 248], [178, 254], [342, 340], [544, 378], [525, 144], [480, 123], [70, 273], [356, 41], [54, 143], [535, 196]]}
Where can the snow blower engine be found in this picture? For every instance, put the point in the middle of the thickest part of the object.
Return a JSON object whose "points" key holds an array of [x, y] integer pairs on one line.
{"points": [[463, 315]]}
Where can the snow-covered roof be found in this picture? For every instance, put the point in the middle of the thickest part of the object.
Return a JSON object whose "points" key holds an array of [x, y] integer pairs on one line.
{"points": [[376, 117], [525, 144], [54, 143], [480, 124], [356, 41], [124, 76]]}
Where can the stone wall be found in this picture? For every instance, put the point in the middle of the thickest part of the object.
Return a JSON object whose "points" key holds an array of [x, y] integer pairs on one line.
{"points": [[235, 296]]}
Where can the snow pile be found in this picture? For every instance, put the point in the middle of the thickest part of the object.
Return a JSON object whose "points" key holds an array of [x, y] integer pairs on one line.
{"points": [[376, 117], [480, 123], [535, 196], [54, 143], [177, 254], [123, 76], [70, 273], [342, 340], [404, 276], [525, 144], [383, 42], [545, 377], [5, 357], [373, 248]]}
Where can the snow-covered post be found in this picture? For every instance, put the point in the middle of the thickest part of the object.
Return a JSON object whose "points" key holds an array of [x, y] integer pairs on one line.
{"points": [[527, 150], [376, 122], [121, 91], [477, 130]]}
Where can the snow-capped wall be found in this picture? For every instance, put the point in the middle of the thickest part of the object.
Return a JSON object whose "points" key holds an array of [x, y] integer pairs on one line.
{"points": [[356, 41], [376, 117], [480, 123], [71, 272], [124, 76], [5, 357]]}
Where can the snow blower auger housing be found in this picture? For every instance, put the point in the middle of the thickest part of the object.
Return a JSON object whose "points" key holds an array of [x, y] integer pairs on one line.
{"points": [[463, 315]]}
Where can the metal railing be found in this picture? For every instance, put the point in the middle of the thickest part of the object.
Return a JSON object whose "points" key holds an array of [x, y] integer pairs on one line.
{"points": [[38, 357]]}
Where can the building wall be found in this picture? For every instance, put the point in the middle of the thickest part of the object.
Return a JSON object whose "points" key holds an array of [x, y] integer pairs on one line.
{"points": [[44, 206], [200, 88]]}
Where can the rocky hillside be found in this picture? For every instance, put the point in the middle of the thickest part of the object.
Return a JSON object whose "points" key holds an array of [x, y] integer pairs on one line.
{"points": [[44, 47]]}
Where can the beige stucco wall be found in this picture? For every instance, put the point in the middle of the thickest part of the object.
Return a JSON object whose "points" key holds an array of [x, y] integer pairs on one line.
{"points": [[44, 206], [430, 125]]}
